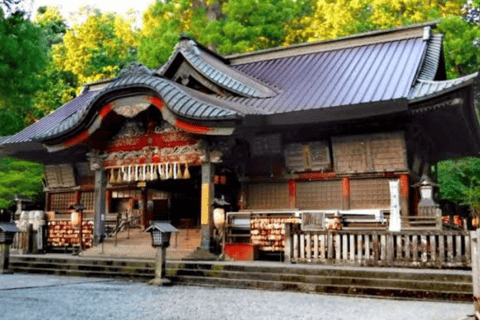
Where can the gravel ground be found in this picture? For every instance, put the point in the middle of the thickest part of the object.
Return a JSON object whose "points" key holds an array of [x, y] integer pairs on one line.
{"points": [[48, 297]]}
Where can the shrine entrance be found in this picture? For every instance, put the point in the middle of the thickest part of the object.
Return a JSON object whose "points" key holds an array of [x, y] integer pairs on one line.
{"points": [[182, 206], [153, 171]]}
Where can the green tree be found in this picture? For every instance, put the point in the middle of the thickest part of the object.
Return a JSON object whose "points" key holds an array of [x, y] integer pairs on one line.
{"points": [[225, 26], [22, 57], [459, 181], [57, 86], [97, 49], [19, 177]]}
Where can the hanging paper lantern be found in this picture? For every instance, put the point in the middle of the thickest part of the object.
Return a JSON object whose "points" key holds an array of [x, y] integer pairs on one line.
{"points": [[76, 219]]}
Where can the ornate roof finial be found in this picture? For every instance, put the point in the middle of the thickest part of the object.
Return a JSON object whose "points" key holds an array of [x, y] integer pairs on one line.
{"points": [[136, 69]]}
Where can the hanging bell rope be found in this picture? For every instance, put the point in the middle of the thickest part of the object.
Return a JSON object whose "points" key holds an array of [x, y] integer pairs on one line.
{"points": [[179, 173], [186, 175], [112, 176]]}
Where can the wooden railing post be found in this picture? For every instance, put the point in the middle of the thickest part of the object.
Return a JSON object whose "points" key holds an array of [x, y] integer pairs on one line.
{"points": [[474, 235], [288, 243]]}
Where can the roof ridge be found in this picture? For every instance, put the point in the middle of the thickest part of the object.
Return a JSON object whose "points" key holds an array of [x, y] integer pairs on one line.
{"points": [[372, 37]]}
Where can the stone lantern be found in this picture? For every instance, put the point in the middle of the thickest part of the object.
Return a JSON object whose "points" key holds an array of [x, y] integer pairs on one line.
{"points": [[428, 207], [161, 232], [7, 232]]}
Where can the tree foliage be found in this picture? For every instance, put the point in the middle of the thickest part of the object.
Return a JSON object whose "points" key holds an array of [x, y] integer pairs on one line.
{"points": [[19, 177], [57, 85], [225, 26], [337, 18], [22, 57], [97, 49], [459, 181]]}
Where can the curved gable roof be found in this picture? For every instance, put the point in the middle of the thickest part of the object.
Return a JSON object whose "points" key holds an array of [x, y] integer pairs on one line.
{"points": [[217, 71]]}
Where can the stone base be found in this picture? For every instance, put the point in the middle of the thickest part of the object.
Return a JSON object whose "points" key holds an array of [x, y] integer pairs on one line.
{"points": [[201, 254], [163, 282], [6, 271]]}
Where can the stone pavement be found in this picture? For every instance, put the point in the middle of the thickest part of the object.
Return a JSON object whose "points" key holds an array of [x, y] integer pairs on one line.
{"points": [[138, 245], [25, 297]]}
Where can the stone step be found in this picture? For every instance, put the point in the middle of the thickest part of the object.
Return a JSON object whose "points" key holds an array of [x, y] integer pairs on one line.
{"points": [[364, 291], [373, 273], [397, 283], [127, 269], [87, 273], [329, 280]]}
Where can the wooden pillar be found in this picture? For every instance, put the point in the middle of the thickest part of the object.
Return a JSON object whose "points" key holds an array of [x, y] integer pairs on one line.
{"points": [[345, 193], [292, 193], [144, 208], [108, 206], [404, 194], [206, 206], [48, 197]]}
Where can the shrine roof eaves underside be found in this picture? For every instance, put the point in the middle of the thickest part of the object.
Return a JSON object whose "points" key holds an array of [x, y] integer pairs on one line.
{"points": [[356, 77]]}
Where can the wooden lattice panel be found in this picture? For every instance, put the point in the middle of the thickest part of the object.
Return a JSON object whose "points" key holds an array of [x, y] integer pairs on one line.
{"points": [[268, 195], [87, 199], [370, 153], [369, 194], [60, 202], [320, 195]]}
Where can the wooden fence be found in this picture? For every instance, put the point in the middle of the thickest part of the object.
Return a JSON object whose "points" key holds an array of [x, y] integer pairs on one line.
{"points": [[20, 242], [379, 248], [475, 236]]}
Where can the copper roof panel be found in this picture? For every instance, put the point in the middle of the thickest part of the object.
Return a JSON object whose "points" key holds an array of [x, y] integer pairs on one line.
{"points": [[349, 76]]}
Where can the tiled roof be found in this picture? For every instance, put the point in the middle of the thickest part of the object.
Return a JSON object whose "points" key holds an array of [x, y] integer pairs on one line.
{"points": [[182, 101], [52, 120], [427, 89], [432, 58], [396, 66], [217, 71]]}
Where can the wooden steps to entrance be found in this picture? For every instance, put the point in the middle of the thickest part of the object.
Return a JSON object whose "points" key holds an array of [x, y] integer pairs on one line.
{"points": [[443, 285]]}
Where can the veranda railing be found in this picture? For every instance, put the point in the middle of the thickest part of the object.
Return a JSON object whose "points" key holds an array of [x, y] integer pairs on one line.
{"points": [[379, 248]]}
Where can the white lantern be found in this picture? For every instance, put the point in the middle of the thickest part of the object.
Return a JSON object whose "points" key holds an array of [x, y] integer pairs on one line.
{"points": [[219, 217]]}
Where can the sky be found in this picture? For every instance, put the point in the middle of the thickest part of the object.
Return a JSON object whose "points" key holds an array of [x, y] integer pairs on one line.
{"points": [[119, 6]]}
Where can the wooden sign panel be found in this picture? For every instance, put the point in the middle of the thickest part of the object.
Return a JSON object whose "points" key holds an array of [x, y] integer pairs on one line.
{"points": [[266, 145], [310, 156], [384, 152], [60, 176]]}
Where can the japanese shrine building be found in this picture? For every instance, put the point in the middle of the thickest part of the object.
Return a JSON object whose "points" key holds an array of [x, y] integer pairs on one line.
{"points": [[316, 126]]}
